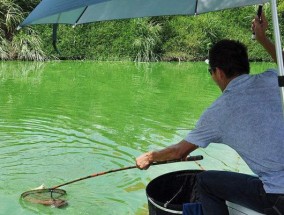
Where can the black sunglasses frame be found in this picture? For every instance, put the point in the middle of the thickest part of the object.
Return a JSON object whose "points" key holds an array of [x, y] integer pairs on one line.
{"points": [[211, 70]]}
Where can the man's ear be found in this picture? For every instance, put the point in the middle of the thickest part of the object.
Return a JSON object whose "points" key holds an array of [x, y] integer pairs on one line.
{"points": [[220, 73], [220, 78]]}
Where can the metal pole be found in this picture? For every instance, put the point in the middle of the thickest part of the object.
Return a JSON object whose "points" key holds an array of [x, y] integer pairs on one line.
{"points": [[278, 45]]}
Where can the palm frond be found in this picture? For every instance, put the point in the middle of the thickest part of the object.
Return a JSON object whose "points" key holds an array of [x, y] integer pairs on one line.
{"points": [[148, 37]]}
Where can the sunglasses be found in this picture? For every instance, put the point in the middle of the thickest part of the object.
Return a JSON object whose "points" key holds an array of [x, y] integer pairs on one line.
{"points": [[211, 70]]}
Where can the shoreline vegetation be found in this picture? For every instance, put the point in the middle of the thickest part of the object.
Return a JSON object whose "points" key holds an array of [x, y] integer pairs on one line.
{"points": [[167, 38]]}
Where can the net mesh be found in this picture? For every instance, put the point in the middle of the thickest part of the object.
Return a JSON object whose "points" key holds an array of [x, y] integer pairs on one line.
{"points": [[48, 197]]}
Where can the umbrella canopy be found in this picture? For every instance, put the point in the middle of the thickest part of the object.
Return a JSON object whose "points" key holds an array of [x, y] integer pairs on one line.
{"points": [[86, 11]]}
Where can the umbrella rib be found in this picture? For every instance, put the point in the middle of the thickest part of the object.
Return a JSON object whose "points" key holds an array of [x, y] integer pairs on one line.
{"points": [[196, 3], [81, 15]]}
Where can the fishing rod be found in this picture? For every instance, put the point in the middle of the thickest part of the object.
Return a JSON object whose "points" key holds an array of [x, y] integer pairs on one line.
{"points": [[52, 196], [189, 158]]}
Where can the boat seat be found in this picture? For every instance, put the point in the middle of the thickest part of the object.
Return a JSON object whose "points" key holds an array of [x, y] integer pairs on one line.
{"points": [[235, 209]]}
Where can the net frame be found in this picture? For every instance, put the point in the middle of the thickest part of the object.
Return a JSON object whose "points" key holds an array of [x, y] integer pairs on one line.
{"points": [[47, 197]]}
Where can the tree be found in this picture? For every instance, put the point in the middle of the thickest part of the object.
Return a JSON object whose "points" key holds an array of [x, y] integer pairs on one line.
{"points": [[23, 45], [11, 15], [146, 40]]}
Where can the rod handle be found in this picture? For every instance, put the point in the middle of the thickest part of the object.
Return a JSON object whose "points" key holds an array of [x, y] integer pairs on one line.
{"points": [[189, 158], [194, 158]]}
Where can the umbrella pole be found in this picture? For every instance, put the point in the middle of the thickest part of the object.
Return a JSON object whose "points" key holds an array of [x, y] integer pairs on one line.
{"points": [[278, 46]]}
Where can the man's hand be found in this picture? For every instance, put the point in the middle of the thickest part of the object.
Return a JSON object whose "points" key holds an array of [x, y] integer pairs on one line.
{"points": [[259, 27], [145, 160]]}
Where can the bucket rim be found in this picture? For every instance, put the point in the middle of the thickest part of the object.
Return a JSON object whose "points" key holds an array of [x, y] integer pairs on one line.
{"points": [[172, 173], [162, 208]]}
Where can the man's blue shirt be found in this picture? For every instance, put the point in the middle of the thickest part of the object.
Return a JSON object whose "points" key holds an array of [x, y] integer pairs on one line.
{"points": [[248, 117]]}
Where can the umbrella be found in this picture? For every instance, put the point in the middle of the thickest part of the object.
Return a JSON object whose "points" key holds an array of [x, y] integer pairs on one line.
{"points": [[85, 11]]}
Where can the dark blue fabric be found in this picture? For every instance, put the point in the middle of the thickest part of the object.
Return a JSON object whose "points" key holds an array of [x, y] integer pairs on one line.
{"points": [[192, 209], [215, 187]]}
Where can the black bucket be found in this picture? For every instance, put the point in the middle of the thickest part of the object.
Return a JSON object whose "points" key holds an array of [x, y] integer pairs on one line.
{"points": [[167, 193]]}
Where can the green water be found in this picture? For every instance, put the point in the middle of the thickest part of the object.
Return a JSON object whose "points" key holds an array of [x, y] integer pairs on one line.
{"points": [[64, 120]]}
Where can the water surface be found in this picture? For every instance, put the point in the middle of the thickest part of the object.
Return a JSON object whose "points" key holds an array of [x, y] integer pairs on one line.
{"points": [[64, 120]]}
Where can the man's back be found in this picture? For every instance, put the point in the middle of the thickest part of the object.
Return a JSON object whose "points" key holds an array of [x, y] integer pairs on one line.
{"points": [[249, 118]]}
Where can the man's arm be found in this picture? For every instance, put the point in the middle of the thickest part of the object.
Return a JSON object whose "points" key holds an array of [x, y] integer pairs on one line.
{"points": [[259, 27], [177, 151]]}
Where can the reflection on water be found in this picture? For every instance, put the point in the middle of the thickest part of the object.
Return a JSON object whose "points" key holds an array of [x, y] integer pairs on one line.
{"points": [[64, 120]]}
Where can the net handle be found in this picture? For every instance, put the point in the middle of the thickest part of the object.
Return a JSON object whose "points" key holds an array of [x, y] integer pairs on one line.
{"points": [[189, 158]]}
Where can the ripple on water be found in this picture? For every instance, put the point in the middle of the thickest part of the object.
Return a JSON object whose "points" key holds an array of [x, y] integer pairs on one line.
{"points": [[47, 150], [73, 119]]}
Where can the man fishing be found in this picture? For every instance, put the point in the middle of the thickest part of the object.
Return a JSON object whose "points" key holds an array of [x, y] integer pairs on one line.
{"points": [[248, 117]]}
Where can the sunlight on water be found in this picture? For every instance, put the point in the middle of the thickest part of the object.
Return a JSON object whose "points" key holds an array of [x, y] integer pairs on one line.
{"points": [[60, 121]]}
